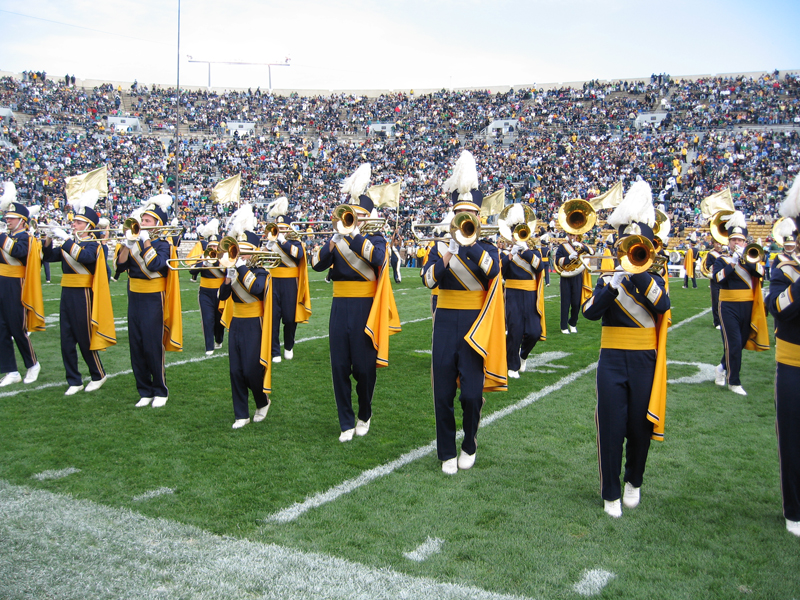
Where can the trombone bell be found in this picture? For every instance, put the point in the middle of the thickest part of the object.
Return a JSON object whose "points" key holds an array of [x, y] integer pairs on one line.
{"points": [[753, 254], [636, 253], [465, 228]]}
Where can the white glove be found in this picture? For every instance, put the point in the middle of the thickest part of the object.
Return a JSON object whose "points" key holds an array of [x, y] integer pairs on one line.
{"points": [[737, 254], [281, 238], [271, 246], [130, 244], [59, 233], [231, 273], [521, 247], [573, 256], [240, 262], [144, 235], [3, 226], [453, 247], [356, 231], [616, 281], [514, 250], [337, 237]]}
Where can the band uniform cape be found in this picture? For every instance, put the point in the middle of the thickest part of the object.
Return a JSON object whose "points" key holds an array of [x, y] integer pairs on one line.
{"points": [[657, 409], [383, 319], [688, 262], [102, 318], [487, 337], [173, 320], [32, 287]]}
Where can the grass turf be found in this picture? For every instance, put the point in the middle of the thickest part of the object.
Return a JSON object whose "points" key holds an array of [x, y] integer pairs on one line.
{"points": [[527, 519]]}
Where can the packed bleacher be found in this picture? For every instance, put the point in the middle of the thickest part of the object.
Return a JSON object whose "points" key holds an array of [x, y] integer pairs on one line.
{"points": [[567, 142]]}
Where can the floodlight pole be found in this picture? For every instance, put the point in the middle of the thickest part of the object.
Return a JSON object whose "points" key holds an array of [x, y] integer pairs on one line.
{"points": [[178, 120]]}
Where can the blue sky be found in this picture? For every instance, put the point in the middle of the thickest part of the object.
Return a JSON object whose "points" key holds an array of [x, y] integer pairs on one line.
{"points": [[396, 44]]}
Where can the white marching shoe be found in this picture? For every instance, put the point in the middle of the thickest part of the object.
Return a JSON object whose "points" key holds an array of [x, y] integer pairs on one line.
{"points": [[523, 364], [217, 346], [613, 508], [565, 331], [513, 374], [573, 329], [209, 352], [96, 385], [737, 389], [362, 427], [33, 373], [11, 378], [261, 414], [719, 375], [631, 496], [73, 389], [159, 401], [450, 466], [793, 527], [239, 423], [288, 354], [143, 402], [346, 435], [465, 461], [276, 359]]}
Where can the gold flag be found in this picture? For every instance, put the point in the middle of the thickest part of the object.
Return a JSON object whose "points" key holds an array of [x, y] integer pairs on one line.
{"points": [[93, 180], [493, 203], [227, 190], [717, 202], [387, 194], [610, 199]]}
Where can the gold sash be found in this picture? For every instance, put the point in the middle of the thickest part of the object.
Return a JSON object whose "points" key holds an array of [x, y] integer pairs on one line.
{"points": [[736, 295], [17, 271], [461, 299], [285, 272], [211, 283], [528, 285], [628, 338], [383, 319], [75, 280], [248, 310], [147, 286], [787, 353], [354, 289]]}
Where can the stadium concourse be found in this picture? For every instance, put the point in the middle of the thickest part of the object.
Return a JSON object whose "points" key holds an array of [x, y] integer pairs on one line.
{"points": [[711, 133]]}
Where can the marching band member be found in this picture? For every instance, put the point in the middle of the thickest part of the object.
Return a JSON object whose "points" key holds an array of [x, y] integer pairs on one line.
{"points": [[248, 315], [210, 282], [291, 296], [154, 302], [784, 304], [394, 259], [20, 289], [361, 296], [468, 328], [708, 265], [522, 270], [631, 372], [688, 263], [104, 225], [544, 252], [573, 282], [741, 305], [86, 316]]}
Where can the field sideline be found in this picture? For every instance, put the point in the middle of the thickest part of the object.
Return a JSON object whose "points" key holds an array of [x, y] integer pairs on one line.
{"points": [[102, 500]]}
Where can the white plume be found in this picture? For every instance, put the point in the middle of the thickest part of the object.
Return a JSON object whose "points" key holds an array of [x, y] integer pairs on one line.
{"points": [[736, 220], [137, 214], [242, 220], [278, 207], [357, 183], [9, 195], [465, 175], [786, 228], [86, 200], [637, 205], [209, 229], [103, 223], [33, 211], [516, 215], [791, 206], [163, 201]]}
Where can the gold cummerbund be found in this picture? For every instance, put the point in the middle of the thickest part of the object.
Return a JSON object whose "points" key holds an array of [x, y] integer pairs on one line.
{"points": [[787, 353], [529, 285], [248, 310], [11, 270], [354, 289], [212, 283], [435, 291], [285, 272], [148, 286], [736, 295], [76, 280], [628, 338], [461, 299]]}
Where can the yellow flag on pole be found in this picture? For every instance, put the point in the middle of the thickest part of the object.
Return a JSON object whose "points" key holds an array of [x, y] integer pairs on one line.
{"points": [[227, 190], [387, 194], [493, 203], [93, 180], [716, 202], [610, 199]]}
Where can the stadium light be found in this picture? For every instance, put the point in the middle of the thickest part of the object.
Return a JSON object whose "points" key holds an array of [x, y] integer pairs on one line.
{"points": [[269, 66]]}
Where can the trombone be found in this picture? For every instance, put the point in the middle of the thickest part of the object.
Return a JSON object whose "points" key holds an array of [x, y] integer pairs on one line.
{"points": [[229, 252], [635, 254], [442, 228], [519, 233], [273, 230], [132, 230], [344, 221]]}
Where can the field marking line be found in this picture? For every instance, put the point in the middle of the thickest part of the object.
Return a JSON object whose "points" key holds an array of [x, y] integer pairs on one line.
{"points": [[67, 548], [593, 582], [162, 491], [291, 513], [425, 550], [55, 474]]}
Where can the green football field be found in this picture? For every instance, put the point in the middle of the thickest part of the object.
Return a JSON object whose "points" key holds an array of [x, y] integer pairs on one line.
{"points": [[99, 499]]}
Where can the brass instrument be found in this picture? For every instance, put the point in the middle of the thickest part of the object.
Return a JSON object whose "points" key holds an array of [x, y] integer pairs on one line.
{"points": [[752, 254], [576, 216], [776, 235], [717, 226], [187, 264], [344, 221], [443, 227], [573, 264], [229, 252], [520, 233], [132, 230], [635, 254], [211, 252], [660, 230], [273, 230]]}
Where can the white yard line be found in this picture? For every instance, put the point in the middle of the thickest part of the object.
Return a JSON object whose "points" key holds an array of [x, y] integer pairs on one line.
{"points": [[299, 508], [57, 547]]}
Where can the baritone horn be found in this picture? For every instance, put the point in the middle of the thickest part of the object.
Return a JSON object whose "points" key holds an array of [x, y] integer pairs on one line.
{"points": [[717, 226], [576, 216]]}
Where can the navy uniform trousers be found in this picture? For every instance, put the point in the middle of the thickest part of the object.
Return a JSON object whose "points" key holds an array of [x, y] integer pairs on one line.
{"points": [[213, 329], [451, 358], [76, 329], [735, 321], [284, 306], [12, 326], [624, 381], [350, 345], [246, 370], [787, 425], [146, 339], [523, 324], [714, 301], [570, 300]]}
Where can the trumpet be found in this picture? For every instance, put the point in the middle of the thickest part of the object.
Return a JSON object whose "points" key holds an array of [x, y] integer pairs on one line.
{"points": [[231, 251], [466, 229]]}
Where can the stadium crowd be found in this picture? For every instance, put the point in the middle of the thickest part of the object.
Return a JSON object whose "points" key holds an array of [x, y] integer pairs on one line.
{"points": [[564, 143]]}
